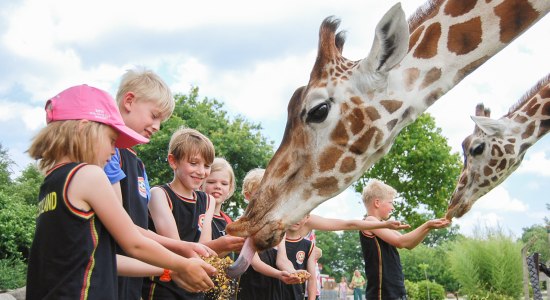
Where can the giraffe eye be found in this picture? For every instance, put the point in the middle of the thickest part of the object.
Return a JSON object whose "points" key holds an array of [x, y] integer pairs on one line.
{"points": [[319, 113], [478, 149]]}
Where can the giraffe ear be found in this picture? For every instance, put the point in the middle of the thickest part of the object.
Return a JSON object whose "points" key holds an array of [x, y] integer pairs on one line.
{"points": [[489, 126], [391, 42]]}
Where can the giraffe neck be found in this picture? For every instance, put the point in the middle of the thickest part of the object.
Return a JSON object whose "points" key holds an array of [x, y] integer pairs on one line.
{"points": [[451, 40], [531, 117]]}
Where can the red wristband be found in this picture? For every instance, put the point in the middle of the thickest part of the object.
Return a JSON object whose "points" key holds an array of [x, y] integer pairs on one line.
{"points": [[165, 277]]}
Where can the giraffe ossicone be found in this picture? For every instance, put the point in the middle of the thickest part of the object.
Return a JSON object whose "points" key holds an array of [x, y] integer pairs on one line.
{"points": [[350, 112], [497, 147]]}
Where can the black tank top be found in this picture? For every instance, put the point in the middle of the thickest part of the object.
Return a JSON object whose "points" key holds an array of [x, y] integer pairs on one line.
{"points": [[385, 278], [134, 200], [298, 252], [72, 255], [254, 285], [189, 215]]}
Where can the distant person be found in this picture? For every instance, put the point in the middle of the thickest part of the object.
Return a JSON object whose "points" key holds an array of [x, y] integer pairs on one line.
{"points": [[357, 283], [383, 268], [343, 288]]}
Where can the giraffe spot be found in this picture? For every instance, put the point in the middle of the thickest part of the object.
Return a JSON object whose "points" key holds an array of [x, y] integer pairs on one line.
{"points": [[520, 119], [528, 131], [348, 165], [372, 113], [411, 75], [432, 76], [363, 142], [339, 136], [415, 35], [325, 186], [494, 178], [427, 48], [496, 152], [464, 37], [493, 162], [485, 183], [406, 113], [531, 107], [282, 168], [457, 8], [487, 171], [391, 124], [545, 93], [356, 100], [344, 108], [328, 158], [306, 194], [524, 147], [356, 121], [515, 17], [339, 69], [509, 149], [469, 68], [512, 140], [391, 105], [433, 96], [502, 165]]}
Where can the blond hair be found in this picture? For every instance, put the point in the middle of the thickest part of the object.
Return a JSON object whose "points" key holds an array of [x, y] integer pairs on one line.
{"points": [[252, 180], [71, 138], [376, 189], [147, 86], [186, 142], [221, 164]]}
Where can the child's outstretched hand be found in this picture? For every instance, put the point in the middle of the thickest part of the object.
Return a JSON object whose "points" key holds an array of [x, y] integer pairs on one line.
{"points": [[194, 276], [288, 278], [189, 249], [438, 223], [302, 275], [396, 225]]}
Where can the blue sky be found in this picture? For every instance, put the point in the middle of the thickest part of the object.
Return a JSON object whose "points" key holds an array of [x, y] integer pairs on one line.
{"points": [[251, 55]]}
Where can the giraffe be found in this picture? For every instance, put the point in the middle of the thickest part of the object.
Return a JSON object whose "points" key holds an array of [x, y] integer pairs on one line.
{"points": [[350, 112], [497, 147]]}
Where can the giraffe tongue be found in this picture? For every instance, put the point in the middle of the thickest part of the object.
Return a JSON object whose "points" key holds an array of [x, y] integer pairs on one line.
{"points": [[243, 261]]}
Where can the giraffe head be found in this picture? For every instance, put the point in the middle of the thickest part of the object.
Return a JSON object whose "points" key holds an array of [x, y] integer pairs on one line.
{"points": [[333, 126], [497, 147]]}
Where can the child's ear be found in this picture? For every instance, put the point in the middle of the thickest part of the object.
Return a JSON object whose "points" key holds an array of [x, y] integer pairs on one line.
{"points": [[172, 161], [128, 99]]}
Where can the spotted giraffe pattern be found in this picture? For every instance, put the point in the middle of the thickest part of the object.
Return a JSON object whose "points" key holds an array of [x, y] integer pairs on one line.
{"points": [[350, 112], [497, 147]]}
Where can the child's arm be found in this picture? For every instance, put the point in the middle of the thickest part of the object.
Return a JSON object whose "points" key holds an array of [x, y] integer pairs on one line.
{"points": [[312, 280], [91, 190], [267, 270], [131, 267], [410, 239], [326, 224], [282, 262], [206, 231], [167, 228]]}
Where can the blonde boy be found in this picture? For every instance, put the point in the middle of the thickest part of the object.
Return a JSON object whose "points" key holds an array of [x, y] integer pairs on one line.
{"points": [[383, 269]]}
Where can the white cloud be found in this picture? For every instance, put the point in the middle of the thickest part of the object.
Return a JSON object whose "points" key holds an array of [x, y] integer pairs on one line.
{"points": [[33, 117], [499, 200], [535, 163]]}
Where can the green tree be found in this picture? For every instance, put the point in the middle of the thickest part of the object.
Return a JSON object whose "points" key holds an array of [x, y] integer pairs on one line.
{"points": [[538, 235], [421, 167], [5, 168], [236, 139], [341, 252]]}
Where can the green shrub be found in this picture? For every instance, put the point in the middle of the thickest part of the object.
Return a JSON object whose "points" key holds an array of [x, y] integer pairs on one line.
{"points": [[488, 267], [434, 290], [412, 289], [17, 223], [13, 273]]}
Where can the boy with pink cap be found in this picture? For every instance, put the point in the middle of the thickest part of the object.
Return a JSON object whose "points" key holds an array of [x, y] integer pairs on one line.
{"points": [[79, 220]]}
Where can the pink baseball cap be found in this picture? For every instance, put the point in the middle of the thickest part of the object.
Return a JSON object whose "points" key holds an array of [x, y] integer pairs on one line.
{"points": [[90, 103]]}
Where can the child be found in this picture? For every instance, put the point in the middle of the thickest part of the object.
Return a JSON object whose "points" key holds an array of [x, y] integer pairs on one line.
{"points": [[262, 280], [79, 209], [144, 101], [220, 184], [343, 289], [300, 252], [357, 283], [178, 208], [383, 269]]}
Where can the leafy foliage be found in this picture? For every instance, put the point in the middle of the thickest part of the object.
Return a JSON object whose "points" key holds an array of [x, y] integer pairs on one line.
{"points": [[421, 168], [13, 273], [237, 140], [538, 236], [487, 267], [424, 289], [341, 253]]}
